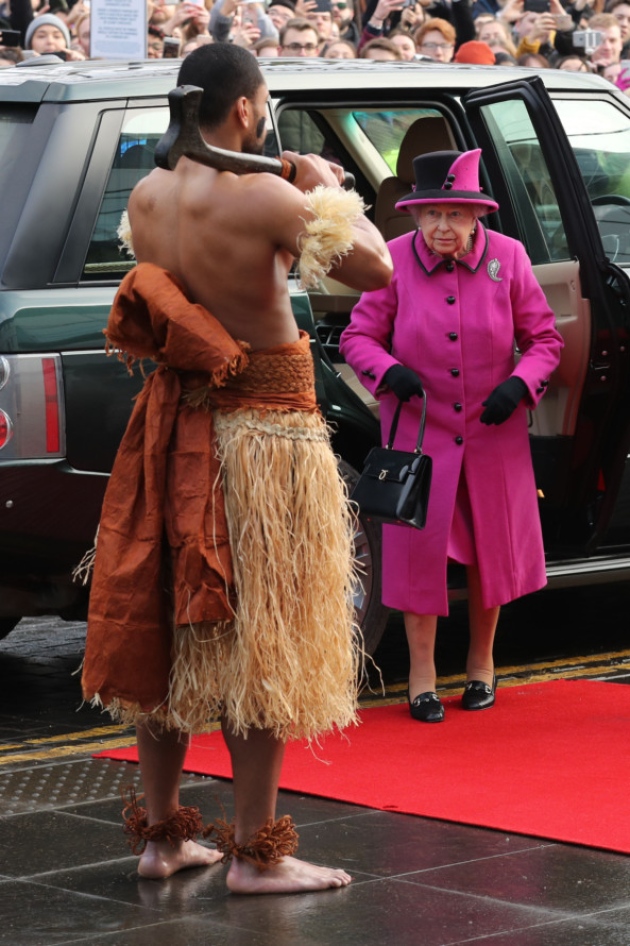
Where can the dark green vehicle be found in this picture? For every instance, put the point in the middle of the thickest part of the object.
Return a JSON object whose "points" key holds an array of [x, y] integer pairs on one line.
{"points": [[74, 140]]}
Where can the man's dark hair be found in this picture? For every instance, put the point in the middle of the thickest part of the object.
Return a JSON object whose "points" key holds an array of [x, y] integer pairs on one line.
{"points": [[225, 73]]}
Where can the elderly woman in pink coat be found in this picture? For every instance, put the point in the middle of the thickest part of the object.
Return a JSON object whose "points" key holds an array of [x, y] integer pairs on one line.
{"points": [[460, 297]]}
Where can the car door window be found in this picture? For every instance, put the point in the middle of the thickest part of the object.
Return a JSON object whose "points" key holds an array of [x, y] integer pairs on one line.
{"points": [[599, 134], [133, 159], [528, 180]]}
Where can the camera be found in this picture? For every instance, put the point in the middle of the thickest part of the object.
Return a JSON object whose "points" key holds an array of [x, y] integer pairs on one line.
{"points": [[170, 49], [536, 6], [588, 40], [10, 37]]}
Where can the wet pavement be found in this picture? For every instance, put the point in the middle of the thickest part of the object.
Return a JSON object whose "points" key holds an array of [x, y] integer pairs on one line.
{"points": [[66, 876]]}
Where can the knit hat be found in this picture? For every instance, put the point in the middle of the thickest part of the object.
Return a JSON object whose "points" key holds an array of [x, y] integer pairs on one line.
{"points": [[289, 4], [448, 176], [47, 19], [475, 52]]}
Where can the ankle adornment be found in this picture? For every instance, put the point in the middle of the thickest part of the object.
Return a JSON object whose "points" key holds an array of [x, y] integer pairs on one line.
{"points": [[272, 842], [184, 825]]}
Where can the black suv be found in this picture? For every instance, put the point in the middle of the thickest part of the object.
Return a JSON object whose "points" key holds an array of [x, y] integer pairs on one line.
{"points": [[74, 140]]}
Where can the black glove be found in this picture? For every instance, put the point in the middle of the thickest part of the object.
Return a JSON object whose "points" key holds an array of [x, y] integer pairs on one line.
{"points": [[403, 382], [503, 401]]}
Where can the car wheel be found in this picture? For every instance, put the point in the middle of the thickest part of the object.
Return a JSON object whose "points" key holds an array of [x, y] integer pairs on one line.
{"points": [[7, 625], [371, 615]]}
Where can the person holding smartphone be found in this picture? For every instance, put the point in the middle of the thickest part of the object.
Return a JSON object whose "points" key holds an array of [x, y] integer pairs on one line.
{"points": [[49, 34], [387, 15], [190, 19], [243, 23]]}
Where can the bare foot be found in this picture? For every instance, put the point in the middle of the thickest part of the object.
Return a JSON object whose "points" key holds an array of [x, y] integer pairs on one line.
{"points": [[159, 859], [289, 876]]}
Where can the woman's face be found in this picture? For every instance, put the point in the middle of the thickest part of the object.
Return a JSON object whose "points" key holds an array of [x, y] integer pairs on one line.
{"points": [[406, 46], [446, 228], [574, 64], [339, 51], [47, 39]]}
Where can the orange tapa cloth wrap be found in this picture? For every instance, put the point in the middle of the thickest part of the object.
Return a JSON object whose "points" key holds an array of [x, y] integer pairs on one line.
{"points": [[223, 576]]}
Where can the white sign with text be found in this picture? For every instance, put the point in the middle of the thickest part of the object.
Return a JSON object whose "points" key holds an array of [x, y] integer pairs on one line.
{"points": [[118, 29]]}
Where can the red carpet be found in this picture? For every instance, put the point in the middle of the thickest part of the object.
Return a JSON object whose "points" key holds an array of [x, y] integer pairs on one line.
{"points": [[550, 760]]}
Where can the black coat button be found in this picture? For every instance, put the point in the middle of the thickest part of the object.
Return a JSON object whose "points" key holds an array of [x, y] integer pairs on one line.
{"points": [[450, 266], [539, 390], [455, 372], [459, 441], [457, 406], [451, 300], [453, 336]]}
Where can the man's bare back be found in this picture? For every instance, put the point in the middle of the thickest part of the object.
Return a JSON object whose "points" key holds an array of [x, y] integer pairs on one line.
{"points": [[232, 240]]}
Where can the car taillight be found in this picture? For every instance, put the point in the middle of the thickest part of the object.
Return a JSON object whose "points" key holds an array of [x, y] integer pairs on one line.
{"points": [[51, 402], [5, 371], [6, 429]]}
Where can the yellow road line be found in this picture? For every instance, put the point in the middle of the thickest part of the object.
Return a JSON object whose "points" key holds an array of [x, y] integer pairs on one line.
{"points": [[60, 752], [570, 669], [75, 736], [77, 743]]}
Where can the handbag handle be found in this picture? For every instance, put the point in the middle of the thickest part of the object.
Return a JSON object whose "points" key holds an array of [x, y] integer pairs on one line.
{"points": [[394, 427]]}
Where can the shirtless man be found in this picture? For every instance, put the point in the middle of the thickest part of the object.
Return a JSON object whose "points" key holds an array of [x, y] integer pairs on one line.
{"points": [[230, 241]]}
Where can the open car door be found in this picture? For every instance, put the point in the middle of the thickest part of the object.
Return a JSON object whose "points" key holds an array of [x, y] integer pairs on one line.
{"points": [[553, 179]]}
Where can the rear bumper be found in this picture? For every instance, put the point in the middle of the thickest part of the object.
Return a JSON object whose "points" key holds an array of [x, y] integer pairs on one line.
{"points": [[49, 514]]}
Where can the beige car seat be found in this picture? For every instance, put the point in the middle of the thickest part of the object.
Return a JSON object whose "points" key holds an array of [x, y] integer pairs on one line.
{"points": [[429, 133]]}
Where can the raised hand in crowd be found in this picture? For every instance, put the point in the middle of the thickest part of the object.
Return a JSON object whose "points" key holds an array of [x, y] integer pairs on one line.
{"points": [[304, 7], [385, 8], [413, 16], [542, 29], [511, 12], [189, 14], [76, 11], [245, 33]]}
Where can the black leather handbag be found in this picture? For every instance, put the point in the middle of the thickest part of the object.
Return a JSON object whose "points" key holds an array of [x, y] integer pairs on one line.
{"points": [[394, 485]]}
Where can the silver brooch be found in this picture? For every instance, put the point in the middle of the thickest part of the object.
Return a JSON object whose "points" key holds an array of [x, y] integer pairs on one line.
{"points": [[493, 269]]}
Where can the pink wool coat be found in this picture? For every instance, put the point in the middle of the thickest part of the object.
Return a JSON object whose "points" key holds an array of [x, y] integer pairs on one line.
{"points": [[455, 324]]}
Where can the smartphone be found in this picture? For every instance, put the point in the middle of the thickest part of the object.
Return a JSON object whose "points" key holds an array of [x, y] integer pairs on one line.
{"points": [[536, 6], [171, 48], [10, 38], [588, 40]]}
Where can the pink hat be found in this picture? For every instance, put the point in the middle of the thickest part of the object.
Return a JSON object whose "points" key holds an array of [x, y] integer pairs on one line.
{"points": [[443, 176]]}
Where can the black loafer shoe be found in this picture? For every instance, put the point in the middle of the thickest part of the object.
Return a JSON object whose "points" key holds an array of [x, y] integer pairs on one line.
{"points": [[426, 708], [478, 695]]}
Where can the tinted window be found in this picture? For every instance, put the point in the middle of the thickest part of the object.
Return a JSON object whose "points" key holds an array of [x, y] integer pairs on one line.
{"points": [[599, 134], [133, 160], [386, 128], [18, 152], [528, 180]]}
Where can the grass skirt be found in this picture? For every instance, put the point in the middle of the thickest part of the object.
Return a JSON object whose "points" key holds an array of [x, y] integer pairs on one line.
{"points": [[289, 660]]}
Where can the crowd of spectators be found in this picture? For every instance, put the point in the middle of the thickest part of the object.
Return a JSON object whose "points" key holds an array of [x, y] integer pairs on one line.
{"points": [[577, 35]]}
